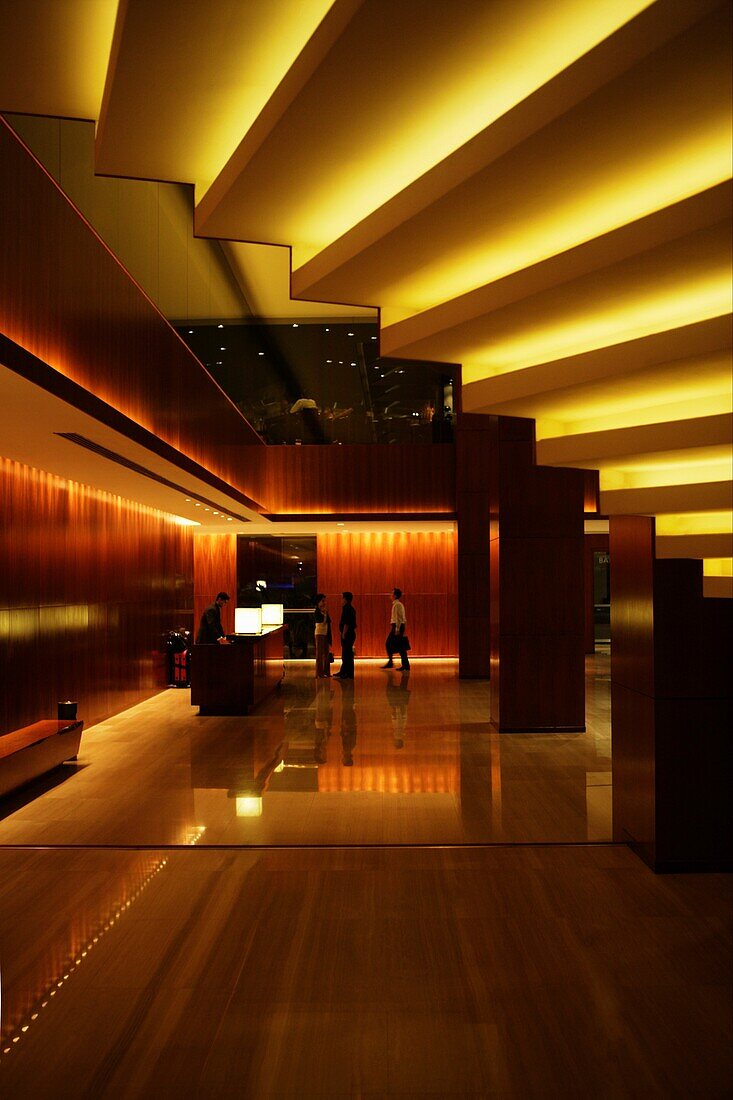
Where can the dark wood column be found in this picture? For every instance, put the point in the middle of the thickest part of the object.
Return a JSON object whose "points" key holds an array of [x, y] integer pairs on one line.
{"points": [[672, 706], [536, 588], [474, 443]]}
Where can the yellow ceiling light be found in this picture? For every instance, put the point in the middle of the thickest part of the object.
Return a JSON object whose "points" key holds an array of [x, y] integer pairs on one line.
{"points": [[695, 405], [184, 89], [691, 387], [695, 523], [479, 69], [717, 567], [593, 317], [444, 76], [500, 227], [54, 56], [692, 466]]}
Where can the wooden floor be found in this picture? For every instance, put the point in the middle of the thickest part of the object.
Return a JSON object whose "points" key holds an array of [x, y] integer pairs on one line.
{"points": [[461, 955], [387, 759], [525, 971]]}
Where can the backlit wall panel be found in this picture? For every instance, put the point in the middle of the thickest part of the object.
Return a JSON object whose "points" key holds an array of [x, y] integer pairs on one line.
{"points": [[215, 570], [89, 583], [422, 564], [65, 298]]}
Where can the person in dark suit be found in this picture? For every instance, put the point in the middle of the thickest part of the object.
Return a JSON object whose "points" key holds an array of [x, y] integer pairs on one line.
{"points": [[210, 630], [347, 630]]}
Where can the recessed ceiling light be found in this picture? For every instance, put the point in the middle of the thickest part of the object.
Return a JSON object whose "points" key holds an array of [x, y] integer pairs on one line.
{"points": [[341, 362], [216, 513], [190, 331], [220, 326], [373, 337], [222, 349], [188, 499], [353, 364], [349, 334], [339, 525], [229, 519], [295, 324], [260, 353], [329, 360], [328, 330], [197, 505]]}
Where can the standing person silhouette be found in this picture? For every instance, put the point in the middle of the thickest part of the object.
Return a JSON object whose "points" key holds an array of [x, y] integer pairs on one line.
{"points": [[210, 631], [347, 630], [323, 638], [397, 641]]}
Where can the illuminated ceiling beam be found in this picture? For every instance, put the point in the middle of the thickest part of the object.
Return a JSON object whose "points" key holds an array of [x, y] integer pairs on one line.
{"points": [[657, 23], [704, 431], [402, 89], [697, 340], [186, 80], [414, 336], [696, 386], [53, 56], [501, 220], [694, 546], [675, 284], [698, 496]]}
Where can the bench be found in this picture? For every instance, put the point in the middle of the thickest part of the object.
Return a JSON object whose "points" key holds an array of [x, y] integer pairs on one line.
{"points": [[29, 752]]}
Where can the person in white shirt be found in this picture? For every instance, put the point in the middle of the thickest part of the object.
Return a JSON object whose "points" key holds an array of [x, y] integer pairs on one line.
{"points": [[397, 638]]}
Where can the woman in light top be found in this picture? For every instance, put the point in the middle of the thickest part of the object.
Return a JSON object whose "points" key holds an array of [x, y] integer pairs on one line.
{"points": [[324, 641]]}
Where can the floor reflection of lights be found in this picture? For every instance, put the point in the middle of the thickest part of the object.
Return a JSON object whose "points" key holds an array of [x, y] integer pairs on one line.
{"points": [[116, 914]]}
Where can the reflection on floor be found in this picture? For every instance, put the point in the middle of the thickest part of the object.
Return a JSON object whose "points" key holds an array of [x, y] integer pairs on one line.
{"points": [[515, 969], [389, 758], [512, 971]]}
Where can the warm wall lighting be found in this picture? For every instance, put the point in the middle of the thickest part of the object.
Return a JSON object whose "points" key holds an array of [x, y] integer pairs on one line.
{"points": [[272, 614], [249, 805], [248, 620], [717, 567], [695, 523], [181, 521]]}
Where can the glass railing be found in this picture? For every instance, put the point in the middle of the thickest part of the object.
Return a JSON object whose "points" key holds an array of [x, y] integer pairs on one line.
{"points": [[310, 382]]}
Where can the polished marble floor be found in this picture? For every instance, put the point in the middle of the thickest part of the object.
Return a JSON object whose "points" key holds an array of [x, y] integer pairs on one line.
{"points": [[495, 971], [389, 758], [444, 915]]}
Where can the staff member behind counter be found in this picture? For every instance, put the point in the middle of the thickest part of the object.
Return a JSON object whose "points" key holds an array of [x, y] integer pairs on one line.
{"points": [[210, 629]]}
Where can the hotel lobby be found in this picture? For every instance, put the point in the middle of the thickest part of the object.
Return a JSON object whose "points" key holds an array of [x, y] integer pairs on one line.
{"points": [[340, 296]]}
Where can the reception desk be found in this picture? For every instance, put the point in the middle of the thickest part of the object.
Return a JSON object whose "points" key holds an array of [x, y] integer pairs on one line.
{"points": [[233, 679]]}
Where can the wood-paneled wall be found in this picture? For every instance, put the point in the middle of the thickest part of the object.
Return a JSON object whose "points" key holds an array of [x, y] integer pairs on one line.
{"points": [[358, 477], [88, 585], [214, 570], [65, 298], [422, 564], [474, 456], [537, 587], [672, 706]]}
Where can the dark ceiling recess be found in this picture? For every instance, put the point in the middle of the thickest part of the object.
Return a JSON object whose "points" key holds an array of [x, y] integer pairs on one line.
{"points": [[120, 460], [359, 397]]}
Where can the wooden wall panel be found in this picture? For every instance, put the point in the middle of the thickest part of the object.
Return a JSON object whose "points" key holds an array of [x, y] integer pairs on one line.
{"points": [[672, 706], [377, 478], [422, 564], [88, 585], [66, 299], [537, 589], [215, 570], [474, 459]]}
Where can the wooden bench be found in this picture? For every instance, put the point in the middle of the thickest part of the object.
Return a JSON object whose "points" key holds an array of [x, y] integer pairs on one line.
{"points": [[29, 752]]}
